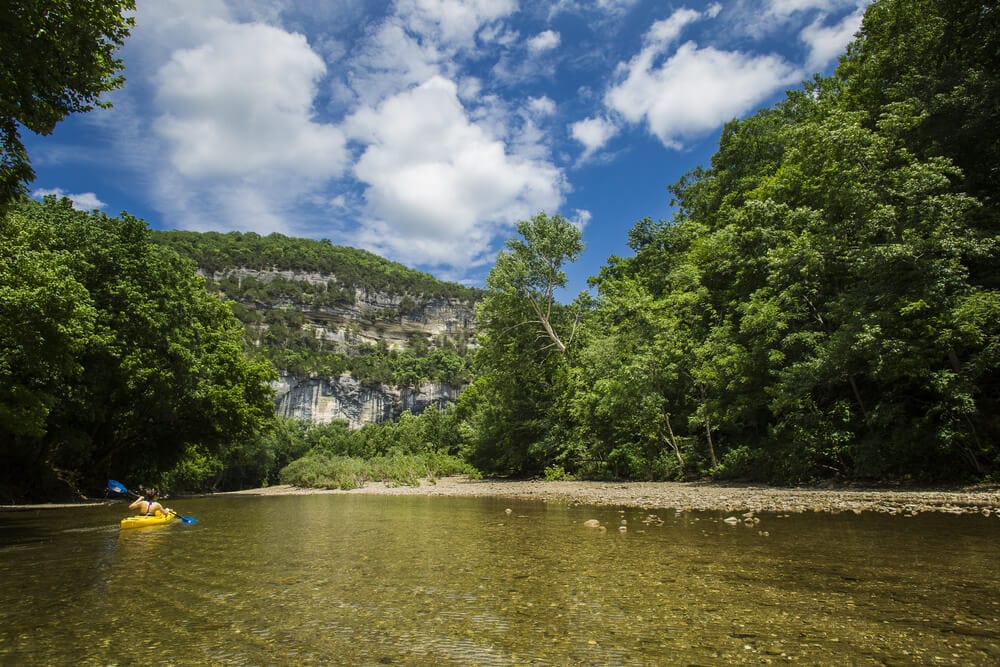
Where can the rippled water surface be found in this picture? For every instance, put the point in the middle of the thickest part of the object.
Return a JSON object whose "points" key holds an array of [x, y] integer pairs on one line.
{"points": [[368, 580]]}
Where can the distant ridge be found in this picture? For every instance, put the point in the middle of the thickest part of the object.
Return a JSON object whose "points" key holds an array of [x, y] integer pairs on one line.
{"points": [[352, 267]]}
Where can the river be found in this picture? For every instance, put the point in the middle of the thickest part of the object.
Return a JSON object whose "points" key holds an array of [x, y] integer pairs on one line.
{"points": [[413, 580]]}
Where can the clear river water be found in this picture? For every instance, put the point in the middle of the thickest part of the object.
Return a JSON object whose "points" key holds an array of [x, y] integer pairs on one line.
{"points": [[408, 580]]}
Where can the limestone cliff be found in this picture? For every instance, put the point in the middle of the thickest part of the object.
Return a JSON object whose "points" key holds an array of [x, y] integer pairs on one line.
{"points": [[346, 323], [323, 400]]}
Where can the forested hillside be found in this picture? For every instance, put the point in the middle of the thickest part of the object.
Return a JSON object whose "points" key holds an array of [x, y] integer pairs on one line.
{"points": [[824, 303], [116, 361], [315, 309], [352, 268]]}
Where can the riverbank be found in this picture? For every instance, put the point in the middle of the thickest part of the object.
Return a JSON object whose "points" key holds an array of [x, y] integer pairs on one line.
{"points": [[692, 496]]}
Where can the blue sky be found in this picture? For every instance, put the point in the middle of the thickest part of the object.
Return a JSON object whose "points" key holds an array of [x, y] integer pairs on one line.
{"points": [[423, 130]]}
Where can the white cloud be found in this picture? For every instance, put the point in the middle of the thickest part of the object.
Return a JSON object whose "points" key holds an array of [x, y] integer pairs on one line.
{"points": [[544, 41], [666, 31], [760, 19], [224, 205], [452, 22], [439, 187], [470, 87], [240, 104], [693, 90], [391, 61], [785, 8], [826, 43], [581, 218], [82, 201], [498, 34], [593, 133], [610, 8], [541, 106]]}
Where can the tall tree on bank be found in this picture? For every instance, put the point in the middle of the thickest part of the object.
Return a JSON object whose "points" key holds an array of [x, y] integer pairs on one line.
{"points": [[125, 363], [527, 273], [56, 58], [514, 411]]}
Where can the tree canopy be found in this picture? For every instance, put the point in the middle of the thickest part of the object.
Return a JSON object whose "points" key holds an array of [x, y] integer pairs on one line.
{"points": [[56, 58], [824, 302], [114, 358], [350, 268]]}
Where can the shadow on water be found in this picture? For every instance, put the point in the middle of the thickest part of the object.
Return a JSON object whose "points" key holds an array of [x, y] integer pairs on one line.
{"points": [[416, 580]]}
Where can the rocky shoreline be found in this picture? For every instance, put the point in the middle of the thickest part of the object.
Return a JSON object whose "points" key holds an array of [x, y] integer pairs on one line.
{"points": [[694, 496], [680, 496]]}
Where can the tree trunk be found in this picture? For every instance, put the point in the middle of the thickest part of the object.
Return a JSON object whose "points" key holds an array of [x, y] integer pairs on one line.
{"points": [[857, 397], [711, 447], [673, 442], [708, 428]]}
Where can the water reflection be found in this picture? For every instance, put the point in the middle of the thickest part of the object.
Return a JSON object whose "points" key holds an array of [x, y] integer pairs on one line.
{"points": [[405, 580]]}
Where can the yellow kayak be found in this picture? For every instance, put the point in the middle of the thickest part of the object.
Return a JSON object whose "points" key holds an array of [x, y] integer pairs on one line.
{"points": [[142, 520]]}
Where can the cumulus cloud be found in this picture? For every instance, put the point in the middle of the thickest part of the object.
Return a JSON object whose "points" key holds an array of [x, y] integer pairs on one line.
{"points": [[785, 8], [825, 42], [593, 133], [541, 106], [82, 201], [581, 218], [760, 19], [544, 41], [452, 22], [241, 104], [693, 90], [438, 187], [393, 60], [666, 31], [610, 8]]}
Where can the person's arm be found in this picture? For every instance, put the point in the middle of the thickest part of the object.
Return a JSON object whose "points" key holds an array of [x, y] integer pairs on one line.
{"points": [[136, 503]]}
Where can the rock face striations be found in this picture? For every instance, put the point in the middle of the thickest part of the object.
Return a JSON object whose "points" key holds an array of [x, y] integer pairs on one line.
{"points": [[349, 321], [323, 400], [352, 335]]}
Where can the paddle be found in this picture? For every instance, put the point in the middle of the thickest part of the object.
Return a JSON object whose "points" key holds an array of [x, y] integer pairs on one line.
{"points": [[118, 487]]}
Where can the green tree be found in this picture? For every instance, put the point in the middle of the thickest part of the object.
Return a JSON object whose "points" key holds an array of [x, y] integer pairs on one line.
{"points": [[823, 302], [148, 364], [56, 58], [46, 320], [941, 59], [523, 282], [515, 413]]}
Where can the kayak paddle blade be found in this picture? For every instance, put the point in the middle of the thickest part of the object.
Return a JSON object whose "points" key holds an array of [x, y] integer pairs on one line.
{"points": [[184, 519], [117, 487]]}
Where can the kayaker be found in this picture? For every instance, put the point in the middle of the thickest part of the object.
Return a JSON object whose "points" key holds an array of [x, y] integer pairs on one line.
{"points": [[150, 506]]}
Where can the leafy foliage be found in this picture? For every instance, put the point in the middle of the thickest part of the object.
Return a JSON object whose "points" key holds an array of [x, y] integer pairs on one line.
{"points": [[824, 302], [348, 268], [403, 452], [513, 413], [56, 58], [113, 356]]}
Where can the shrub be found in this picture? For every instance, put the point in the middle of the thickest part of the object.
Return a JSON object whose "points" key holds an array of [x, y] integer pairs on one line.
{"points": [[328, 471]]}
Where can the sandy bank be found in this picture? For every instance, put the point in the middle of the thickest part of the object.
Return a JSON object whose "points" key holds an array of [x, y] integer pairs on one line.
{"points": [[693, 496]]}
